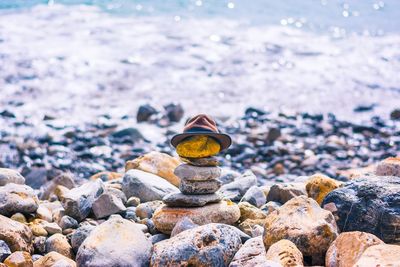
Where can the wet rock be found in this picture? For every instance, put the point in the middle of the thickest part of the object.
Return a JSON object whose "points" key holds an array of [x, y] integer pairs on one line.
{"points": [[99, 248], [80, 235], [188, 172], [380, 255], [395, 114], [78, 201], [17, 198], [368, 204], [10, 176], [348, 248], [59, 243], [284, 192], [302, 221], [388, 167], [54, 259], [182, 200], [319, 185], [4, 250], [286, 253], [174, 112], [207, 245], [252, 253], [165, 218], [107, 204], [146, 186], [183, 225], [270, 207], [160, 164], [255, 196], [146, 210], [199, 187], [145, 112], [236, 189], [106, 176], [19, 259]]}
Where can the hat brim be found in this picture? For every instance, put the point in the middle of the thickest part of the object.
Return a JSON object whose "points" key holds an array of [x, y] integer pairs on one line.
{"points": [[223, 139]]}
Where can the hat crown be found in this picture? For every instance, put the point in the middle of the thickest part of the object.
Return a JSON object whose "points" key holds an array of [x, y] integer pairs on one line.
{"points": [[201, 122]]}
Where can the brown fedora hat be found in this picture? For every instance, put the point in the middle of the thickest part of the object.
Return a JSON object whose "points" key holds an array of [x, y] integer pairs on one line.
{"points": [[202, 125]]}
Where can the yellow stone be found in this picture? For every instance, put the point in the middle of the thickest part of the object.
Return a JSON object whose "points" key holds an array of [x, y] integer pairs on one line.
{"points": [[200, 146], [319, 185]]}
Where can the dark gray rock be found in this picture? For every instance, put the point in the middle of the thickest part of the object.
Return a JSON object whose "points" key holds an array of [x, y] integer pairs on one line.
{"points": [[182, 225], [369, 204], [67, 222], [130, 214], [145, 112], [158, 237], [236, 189], [10, 176], [17, 198], [208, 245], [116, 242], [181, 200], [78, 201], [80, 235], [283, 192], [106, 205], [39, 244], [131, 133], [174, 112], [146, 186], [199, 187], [395, 114], [255, 196], [36, 177], [4, 251]]}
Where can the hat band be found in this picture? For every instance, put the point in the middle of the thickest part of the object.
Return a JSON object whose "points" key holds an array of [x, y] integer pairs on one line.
{"points": [[198, 130]]}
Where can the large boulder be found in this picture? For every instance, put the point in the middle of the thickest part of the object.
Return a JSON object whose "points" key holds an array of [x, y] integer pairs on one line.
{"points": [[10, 176], [17, 198], [146, 186], [348, 248], [302, 221], [236, 189], [283, 192], [53, 259], [380, 255], [116, 242], [78, 201], [207, 245], [286, 253], [165, 218], [17, 235], [319, 185], [369, 204], [160, 164]]}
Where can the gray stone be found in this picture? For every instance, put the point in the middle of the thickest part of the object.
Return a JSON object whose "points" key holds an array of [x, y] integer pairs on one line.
{"points": [[10, 176], [182, 225], [228, 175], [36, 177], [146, 186], [106, 205], [199, 187], [116, 192], [17, 198], [52, 228], [133, 202], [64, 179], [78, 201], [4, 250], [194, 173], [208, 245], [181, 200], [116, 242], [146, 210], [270, 207], [80, 235], [236, 189], [368, 204], [158, 237], [67, 222], [286, 191], [255, 196], [130, 214]]}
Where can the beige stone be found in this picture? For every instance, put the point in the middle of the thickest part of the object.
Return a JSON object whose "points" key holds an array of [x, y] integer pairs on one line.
{"points": [[54, 258], [380, 255], [19, 259], [286, 253], [319, 185], [106, 176], [252, 219], [60, 244], [17, 235]]}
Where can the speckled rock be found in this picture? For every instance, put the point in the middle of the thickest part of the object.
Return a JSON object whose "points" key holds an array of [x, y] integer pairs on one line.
{"points": [[348, 248], [17, 235], [284, 192], [116, 242], [107, 204], [252, 254], [17, 198], [146, 210], [182, 200], [182, 225], [388, 167], [78, 201], [319, 185], [236, 189], [302, 221], [251, 220], [380, 255], [199, 187], [60, 244], [368, 204], [255, 196], [146, 186], [286, 253], [207, 245], [54, 259], [19, 259], [160, 164], [10, 176], [165, 218], [188, 172]]}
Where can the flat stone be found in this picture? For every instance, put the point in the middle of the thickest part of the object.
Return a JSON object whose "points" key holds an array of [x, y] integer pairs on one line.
{"points": [[8, 176], [201, 162], [208, 245], [116, 242], [199, 187], [286, 253], [54, 259], [236, 189], [17, 198], [146, 186], [165, 218], [283, 192], [182, 200], [194, 173], [106, 205]]}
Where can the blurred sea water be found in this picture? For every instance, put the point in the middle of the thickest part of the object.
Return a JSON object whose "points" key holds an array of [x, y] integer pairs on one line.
{"points": [[90, 57]]}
